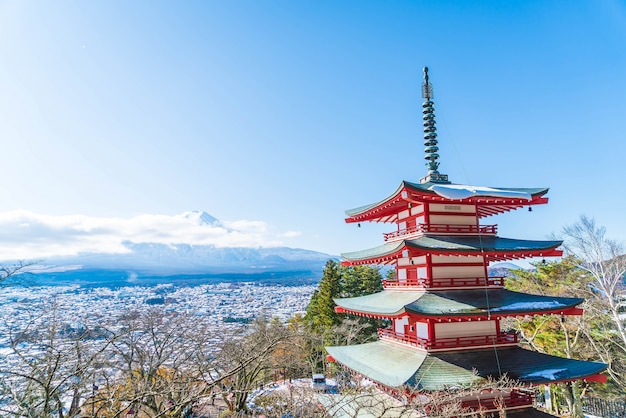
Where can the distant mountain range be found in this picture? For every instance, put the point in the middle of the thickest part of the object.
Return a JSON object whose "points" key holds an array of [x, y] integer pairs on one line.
{"points": [[147, 259], [162, 259], [152, 264], [503, 269]]}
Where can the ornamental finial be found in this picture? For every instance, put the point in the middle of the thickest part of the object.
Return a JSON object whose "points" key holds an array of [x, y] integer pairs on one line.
{"points": [[427, 88], [430, 134]]}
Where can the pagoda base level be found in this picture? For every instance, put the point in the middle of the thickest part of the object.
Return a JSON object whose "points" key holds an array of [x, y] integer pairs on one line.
{"points": [[486, 401], [398, 366], [385, 402]]}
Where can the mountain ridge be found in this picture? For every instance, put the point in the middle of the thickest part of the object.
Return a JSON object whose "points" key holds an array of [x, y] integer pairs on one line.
{"points": [[182, 256], [154, 258]]}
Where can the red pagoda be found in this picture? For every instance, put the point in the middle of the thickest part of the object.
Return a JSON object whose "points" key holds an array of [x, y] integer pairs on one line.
{"points": [[444, 308]]}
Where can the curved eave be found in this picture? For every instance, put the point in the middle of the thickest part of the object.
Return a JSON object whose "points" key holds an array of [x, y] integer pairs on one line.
{"points": [[395, 366], [524, 365], [493, 248], [385, 304], [456, 304], [451, 317], [387, 209], [366, 314], [391, 365], [382, 254], [495, 302]]}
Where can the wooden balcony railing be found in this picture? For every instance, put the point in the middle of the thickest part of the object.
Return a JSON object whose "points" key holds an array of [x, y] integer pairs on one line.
{"points": [[504, 338], [445, 282], [442, 229], [486, 401], [510, 400]]}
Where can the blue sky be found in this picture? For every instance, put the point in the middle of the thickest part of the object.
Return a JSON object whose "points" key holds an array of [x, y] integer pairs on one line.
{"points": [[276, 116]]}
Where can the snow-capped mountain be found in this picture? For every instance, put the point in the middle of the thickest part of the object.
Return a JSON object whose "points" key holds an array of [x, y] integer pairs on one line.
{"points": [[200, 217], [181, 258]]}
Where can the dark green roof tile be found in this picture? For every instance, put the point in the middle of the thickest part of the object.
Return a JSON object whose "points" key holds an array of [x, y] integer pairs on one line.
{"points": [[480, 301], [456, 302], [461, 244]]}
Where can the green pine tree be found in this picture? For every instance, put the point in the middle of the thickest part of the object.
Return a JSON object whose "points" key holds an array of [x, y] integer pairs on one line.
{"points": [[321, 310]]}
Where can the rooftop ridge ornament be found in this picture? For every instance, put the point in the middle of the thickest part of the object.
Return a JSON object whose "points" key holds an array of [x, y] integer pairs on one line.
{"points": [[430, 135]]}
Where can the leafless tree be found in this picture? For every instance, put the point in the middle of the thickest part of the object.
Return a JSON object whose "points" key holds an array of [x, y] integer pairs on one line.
{"points": [[161, 364], [8, 271], [605, 261], [154, 363], [48, 365], [485, 398], [244, 359]]}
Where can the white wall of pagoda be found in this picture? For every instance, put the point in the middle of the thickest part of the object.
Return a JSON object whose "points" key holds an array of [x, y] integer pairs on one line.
{"points": [[400, 324], [411, 212], [464, 329], [412, 261], [444, 266], [421, 330], [409, 218], [439, 213], [440, 267]]}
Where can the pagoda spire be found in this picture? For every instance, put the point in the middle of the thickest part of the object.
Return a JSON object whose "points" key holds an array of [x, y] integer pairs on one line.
{"points": [[430, 135]]}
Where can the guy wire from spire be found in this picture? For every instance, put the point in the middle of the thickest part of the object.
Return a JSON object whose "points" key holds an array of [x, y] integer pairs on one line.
{"points": [[483, 254]]}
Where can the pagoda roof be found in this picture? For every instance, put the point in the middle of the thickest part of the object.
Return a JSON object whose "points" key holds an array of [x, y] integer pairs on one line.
{"points": [[490, 200], [455, 303], [395, 365], [496, 247]]}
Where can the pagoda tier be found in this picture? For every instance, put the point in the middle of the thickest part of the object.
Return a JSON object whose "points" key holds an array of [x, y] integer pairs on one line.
{"points": [[453, 320], [448, 262], [414, 199], [453, 304], [398, 366], [493, 248]]}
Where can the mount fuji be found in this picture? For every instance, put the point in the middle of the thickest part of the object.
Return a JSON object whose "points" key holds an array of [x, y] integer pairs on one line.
{"points": [[200, 217], [160, 259]]}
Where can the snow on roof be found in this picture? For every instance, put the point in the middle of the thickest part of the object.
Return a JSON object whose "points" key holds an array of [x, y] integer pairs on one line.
{"points": [[462, 191], [550, 374], [523, 306]]}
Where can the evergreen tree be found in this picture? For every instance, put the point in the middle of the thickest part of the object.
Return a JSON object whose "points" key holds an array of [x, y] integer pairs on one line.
{"points": [[321, 311], [371, 280], [341, 282], [361, 280]]}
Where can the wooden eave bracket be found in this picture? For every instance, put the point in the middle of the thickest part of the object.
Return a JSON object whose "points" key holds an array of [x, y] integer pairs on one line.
{"points": [[341, 310]]}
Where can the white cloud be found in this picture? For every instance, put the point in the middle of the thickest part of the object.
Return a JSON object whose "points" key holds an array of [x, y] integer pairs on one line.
{"points": [[28, 235], [290, 234]]}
